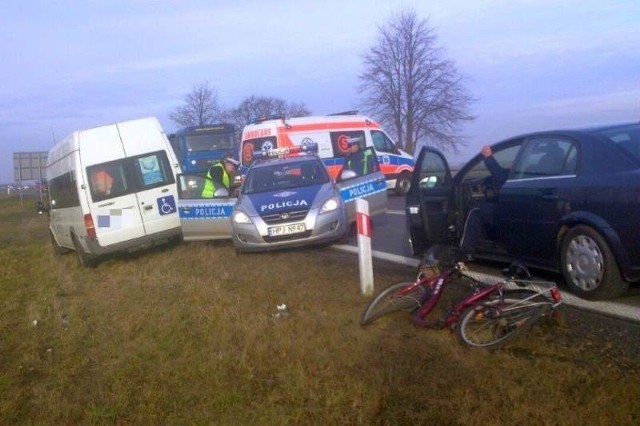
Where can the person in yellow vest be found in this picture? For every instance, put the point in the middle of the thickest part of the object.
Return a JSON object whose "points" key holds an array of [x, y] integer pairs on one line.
{"points": [[220, 175], [358, 160]]}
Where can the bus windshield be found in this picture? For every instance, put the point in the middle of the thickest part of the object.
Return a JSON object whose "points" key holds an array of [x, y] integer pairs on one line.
{"points": [[211, 141], [198, 147]]}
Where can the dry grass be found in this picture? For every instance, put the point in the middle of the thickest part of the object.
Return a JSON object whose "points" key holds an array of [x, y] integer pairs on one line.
{"points": [[187, 335]]}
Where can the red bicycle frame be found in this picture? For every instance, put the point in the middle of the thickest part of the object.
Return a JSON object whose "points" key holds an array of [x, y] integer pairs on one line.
{"points": [[437, 285]]}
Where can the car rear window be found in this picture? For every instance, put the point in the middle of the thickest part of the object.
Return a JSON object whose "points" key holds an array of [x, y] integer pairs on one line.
{"points": [[626, 137]]}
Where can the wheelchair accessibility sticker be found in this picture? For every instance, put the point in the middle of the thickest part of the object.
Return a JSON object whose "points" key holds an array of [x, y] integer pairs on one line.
{"points": [[166, 205]]}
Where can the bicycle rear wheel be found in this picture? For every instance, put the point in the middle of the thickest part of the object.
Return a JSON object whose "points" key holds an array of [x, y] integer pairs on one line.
{"points": [[394, 299], [493, 323]]}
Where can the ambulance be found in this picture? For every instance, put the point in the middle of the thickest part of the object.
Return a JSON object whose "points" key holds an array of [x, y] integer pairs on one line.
{"points": [[111, 189], [331, 133]]}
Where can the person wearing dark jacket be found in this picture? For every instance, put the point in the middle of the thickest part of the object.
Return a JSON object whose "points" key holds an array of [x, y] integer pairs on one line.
{"points": [[359, 161], [481, 215]]}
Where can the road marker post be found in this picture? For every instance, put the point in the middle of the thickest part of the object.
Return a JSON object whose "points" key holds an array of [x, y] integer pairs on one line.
{"points": [[365, 262]]}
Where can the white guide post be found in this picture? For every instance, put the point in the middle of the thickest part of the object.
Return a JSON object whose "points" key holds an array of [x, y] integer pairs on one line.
{"points": [[363, 221]]}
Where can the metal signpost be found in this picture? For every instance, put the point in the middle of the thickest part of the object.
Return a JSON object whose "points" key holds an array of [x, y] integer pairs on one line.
{"points": [[29, 166]]}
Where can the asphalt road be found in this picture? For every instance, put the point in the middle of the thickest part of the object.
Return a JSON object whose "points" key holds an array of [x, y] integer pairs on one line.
{"points": [[390, 242]]}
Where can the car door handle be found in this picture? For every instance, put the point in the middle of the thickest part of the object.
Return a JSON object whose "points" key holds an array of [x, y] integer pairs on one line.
{"points": [[550, 197]]}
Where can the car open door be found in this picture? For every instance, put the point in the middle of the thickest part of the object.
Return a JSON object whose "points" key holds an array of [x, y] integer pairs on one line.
{"points": [[430, 203], [203, 218], [369, 185]]}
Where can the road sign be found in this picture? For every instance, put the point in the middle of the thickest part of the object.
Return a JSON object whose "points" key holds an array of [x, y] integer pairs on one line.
{"points": [[29, 166]]}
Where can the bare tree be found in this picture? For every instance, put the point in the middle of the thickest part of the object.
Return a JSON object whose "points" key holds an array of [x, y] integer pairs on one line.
{"points": [[411, 88], [200, 108], [255, 107]]}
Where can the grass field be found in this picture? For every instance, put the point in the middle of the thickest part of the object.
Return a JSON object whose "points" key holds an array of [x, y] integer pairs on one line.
{"points": [[187, 334]]}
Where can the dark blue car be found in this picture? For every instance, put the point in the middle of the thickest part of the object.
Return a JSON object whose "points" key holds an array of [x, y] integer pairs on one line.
{"points": [[571, 204]]}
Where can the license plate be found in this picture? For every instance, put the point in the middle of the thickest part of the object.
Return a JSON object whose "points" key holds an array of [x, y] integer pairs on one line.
{"points": [[294, 228]]}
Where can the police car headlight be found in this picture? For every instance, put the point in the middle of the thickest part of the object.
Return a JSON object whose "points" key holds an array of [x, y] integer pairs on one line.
{"points": [[241, 217], [330, 205]]}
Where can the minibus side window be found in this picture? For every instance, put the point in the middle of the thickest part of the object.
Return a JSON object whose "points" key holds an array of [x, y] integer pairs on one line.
{"points": [[382, 143], [108, 180], [152, 170], [63, 191]]}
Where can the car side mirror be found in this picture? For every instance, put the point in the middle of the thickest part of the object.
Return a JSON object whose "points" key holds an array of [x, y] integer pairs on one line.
{"points": [[348, 174], [429, 182]]}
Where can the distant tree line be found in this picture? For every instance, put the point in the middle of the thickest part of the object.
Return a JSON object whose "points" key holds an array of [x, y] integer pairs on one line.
{"points": [[201, 107], [407, 85]]}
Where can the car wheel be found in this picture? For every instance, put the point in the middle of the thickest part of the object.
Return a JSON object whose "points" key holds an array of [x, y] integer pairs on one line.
{"points": [[403, 183], [588, 265]]}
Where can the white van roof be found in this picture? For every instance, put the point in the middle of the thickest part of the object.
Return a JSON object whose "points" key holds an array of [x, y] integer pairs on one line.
{"points": [[136, 130]]}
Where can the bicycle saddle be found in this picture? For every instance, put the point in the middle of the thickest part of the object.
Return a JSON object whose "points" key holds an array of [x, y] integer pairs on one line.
{"points": [[517, 271]]}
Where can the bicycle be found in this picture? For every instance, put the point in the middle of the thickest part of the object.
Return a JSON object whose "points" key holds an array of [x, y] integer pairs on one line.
{"points": [[491, 316]]}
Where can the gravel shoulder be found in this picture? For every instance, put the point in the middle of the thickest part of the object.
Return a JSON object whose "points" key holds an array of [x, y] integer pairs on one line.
{"points": [[611, 340]]}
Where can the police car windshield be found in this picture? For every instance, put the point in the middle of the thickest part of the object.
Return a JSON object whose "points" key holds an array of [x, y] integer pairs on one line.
{"points": [[278, 175]]}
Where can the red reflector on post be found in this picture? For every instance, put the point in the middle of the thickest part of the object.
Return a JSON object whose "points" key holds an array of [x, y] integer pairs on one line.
{"points": [[555, 293], [364, 224]]}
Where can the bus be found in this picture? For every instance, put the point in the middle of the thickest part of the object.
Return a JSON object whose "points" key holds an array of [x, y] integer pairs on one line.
{"points": [[197, 147]]}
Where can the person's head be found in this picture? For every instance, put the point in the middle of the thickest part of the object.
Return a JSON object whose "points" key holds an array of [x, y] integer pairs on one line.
{"points": [[230, 164], [101, 181], [354, 145]]}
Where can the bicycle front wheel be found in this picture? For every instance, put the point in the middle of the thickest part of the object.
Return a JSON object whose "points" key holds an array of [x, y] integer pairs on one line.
{"points": [[397, 297], [493, 323]]}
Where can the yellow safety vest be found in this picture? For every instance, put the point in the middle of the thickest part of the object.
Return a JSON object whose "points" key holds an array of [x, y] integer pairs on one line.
{"points": [[209, 186], [365, 163]]}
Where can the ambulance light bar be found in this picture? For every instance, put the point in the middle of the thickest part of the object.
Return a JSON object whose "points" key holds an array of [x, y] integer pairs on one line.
{"points": [[311, 148], [264, 118]]}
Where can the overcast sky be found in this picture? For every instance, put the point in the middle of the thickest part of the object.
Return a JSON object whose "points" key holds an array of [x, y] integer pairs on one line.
{"points": [[532, 65]]}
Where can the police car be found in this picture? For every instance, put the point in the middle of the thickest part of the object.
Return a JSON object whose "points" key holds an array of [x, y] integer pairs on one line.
{"points": [[287, 199]]}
